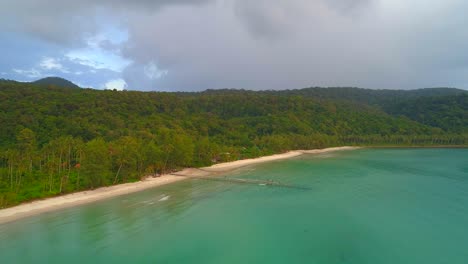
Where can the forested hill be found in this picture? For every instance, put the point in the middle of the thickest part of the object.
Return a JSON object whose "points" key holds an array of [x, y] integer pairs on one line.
{"points": [[444, 108], [56, 140], [372, 96], [56, 81]]}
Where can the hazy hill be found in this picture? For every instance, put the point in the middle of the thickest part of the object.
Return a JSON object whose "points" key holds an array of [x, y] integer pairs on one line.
{"points": [[56, 81]]}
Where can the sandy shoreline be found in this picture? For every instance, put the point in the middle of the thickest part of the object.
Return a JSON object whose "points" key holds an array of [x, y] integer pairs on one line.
{"points": [[69, 200]]}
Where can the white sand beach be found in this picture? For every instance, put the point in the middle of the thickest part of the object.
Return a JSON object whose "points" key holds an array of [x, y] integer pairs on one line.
{"points": [[69, 200]]}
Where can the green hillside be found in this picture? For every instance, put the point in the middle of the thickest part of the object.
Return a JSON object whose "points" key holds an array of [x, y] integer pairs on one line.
{"points": [[55, 140], [55, 81]]}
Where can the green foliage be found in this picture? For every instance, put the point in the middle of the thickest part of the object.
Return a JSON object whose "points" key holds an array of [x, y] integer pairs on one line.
{"points": [[96, 163], [56, 140], [55, 81], [449, 113]]}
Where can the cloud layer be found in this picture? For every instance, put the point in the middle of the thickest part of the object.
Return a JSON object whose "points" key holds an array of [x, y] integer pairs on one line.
{"points": [[262, 44]]}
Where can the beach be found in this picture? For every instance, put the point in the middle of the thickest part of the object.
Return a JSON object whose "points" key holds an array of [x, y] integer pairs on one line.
{"points": [[79, 198]]}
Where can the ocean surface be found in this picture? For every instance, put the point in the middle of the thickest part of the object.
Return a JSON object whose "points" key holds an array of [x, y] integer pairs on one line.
{"points": [[361, 206]]}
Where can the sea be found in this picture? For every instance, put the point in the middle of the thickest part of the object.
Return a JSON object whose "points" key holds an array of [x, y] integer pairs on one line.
{"points": [[357, 206]]}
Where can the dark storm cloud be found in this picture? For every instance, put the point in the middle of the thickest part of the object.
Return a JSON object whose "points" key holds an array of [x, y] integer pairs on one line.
{"points": [[261, 44], [279, 18], [69, 21], [249, 44], [349, 6]]}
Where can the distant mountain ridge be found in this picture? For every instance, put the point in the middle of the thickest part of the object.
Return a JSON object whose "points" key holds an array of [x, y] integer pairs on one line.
{"points": [[57, 81], [368, 96], [441, 108]]}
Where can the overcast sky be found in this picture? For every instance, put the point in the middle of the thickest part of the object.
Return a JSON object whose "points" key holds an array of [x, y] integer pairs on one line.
{"points": [[252, 44]]}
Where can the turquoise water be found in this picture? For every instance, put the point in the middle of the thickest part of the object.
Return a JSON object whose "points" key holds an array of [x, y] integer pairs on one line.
{"points": [[362, 206]]}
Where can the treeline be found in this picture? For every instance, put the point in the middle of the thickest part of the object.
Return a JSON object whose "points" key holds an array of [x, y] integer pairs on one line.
{"points": [[445, 108], [69, 164], [57, 140]]}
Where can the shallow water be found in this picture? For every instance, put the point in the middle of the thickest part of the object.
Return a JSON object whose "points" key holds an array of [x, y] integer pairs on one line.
{"points": [[361, 206]]}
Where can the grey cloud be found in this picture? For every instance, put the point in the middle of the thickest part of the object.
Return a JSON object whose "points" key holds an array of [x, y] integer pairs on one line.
{"points": [[349, 6], [265, 18], [261, 44], [293, 44], [280, 18], [68, 22], [210, 48]]}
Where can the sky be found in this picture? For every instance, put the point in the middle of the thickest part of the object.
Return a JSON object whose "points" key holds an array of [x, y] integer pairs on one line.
{"points": [[192, 45]]}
